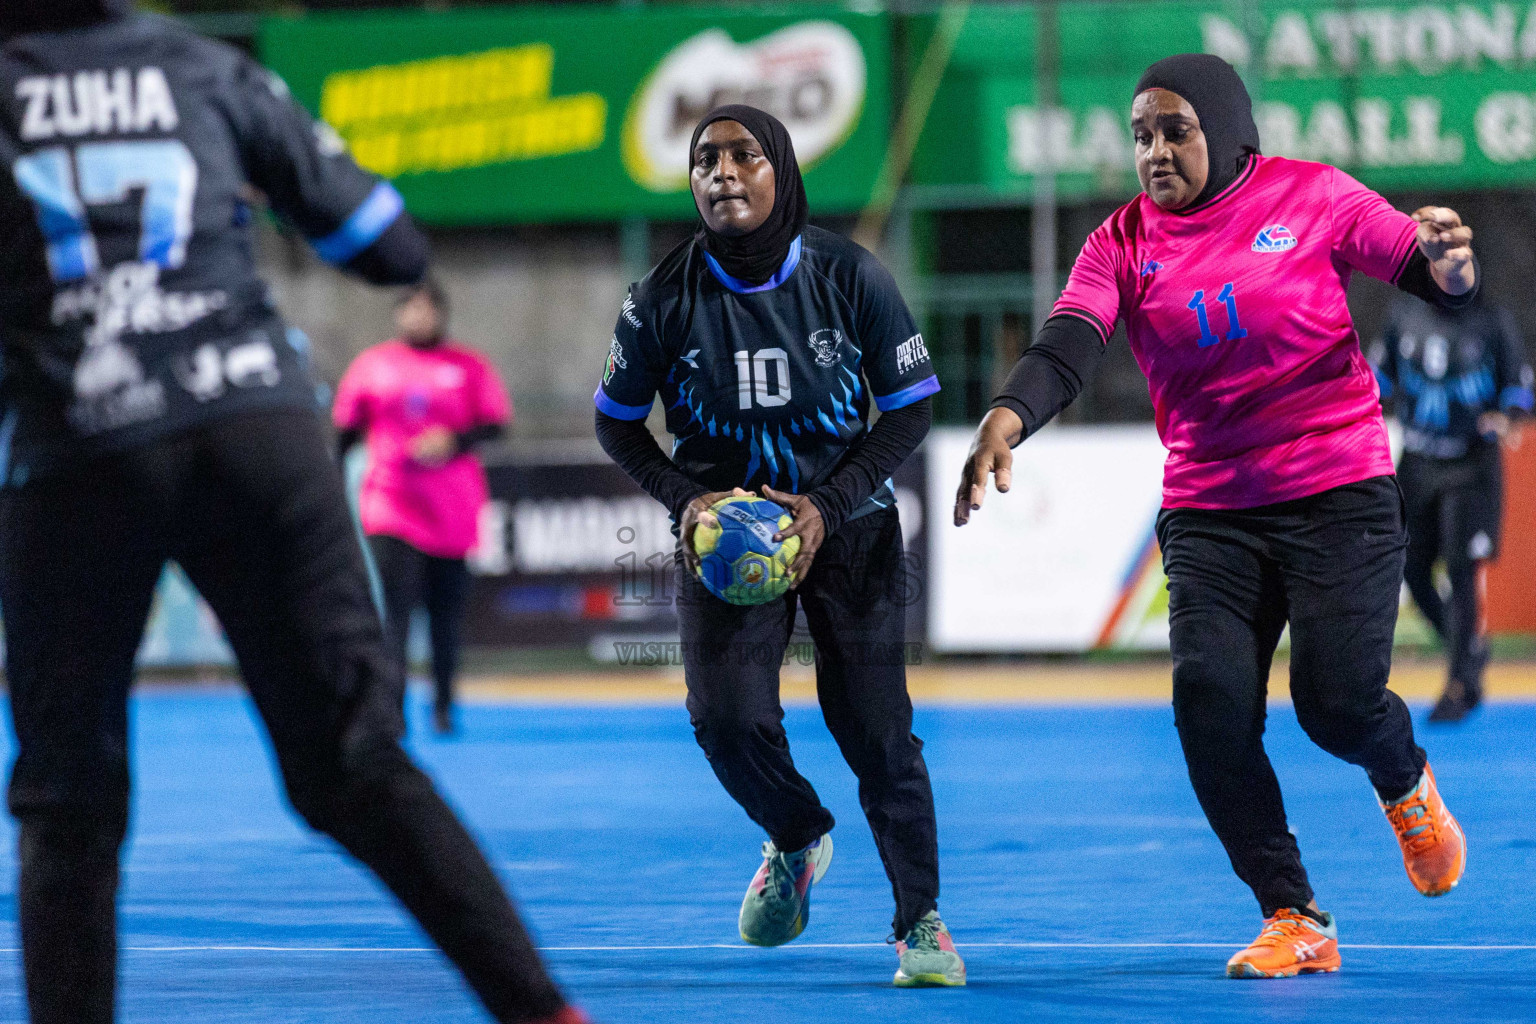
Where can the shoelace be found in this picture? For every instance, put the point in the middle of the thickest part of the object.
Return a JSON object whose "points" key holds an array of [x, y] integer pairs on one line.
{"points": [[1281, 930], [924, 935], [781, 877], [1411, 820]]}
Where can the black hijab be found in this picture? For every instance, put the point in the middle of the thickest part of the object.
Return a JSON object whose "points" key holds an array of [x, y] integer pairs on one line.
{"points": [[1221, 102], [18, 17], [757, 255]]}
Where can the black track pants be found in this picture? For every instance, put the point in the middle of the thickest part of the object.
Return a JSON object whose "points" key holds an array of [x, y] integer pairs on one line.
{"points": [[252, 507], [1455, 513], [854, 606], [412, 578], [1332, 566]]}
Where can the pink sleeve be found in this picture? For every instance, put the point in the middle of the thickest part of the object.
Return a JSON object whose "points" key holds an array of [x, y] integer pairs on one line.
{"points": [[492, 403], [350, 411], [1093, 287], [1369, 233]]}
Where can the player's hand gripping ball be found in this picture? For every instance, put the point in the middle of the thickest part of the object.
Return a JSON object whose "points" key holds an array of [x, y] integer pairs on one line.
{"points": [[739, 561]]}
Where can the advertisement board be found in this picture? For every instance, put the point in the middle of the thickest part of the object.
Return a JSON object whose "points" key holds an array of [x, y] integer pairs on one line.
{"points": [[573, 554], [501, 115], [1066, 561], [1402, 95]]}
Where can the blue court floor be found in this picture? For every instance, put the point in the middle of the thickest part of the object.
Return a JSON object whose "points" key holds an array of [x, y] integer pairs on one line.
{"points": [[1079, 878]]}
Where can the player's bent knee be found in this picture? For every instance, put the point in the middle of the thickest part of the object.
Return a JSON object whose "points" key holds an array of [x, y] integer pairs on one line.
{"points": [[732, 731], [73, 833], [1207, 699], [332, 797], [72, 796], [1336, 726]]}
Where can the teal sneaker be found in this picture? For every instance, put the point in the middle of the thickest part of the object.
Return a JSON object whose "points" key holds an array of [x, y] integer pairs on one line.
{"points": [[928, 957], [778, 902]]}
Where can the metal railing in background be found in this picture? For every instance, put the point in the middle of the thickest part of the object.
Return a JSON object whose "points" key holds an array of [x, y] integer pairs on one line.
{"points": [[976, 326]]}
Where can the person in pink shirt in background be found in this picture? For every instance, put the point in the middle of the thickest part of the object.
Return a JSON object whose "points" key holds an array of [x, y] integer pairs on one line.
{"points": [[1279, 501], [423, 402]]}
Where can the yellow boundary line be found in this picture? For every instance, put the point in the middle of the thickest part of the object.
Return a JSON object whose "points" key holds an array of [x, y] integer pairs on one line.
{"points": [[977, 685]]}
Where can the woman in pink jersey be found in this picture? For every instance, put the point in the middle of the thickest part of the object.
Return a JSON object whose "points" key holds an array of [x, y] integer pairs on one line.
{"points": [[423, 402], [1279, 501]]}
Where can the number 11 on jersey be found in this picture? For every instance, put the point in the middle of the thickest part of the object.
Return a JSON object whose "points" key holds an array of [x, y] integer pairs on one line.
{"points": [[1235, 330]]}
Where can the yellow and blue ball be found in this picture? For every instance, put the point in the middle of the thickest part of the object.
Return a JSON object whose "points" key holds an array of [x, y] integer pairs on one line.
{"points": [[739, 561]]}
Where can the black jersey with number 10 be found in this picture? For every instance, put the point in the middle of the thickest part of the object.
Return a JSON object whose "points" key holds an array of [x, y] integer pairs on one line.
{"points": [[771, 383]]}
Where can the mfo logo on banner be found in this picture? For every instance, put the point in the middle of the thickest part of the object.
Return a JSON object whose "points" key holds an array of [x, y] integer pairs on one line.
{"points": [[811, 76], [485, 115]]}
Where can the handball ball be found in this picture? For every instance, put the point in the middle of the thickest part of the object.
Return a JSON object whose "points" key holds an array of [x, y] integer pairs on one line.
{"points": [[739, 561]]}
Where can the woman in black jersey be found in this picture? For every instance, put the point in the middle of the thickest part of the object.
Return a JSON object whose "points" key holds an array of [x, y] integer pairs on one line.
{"points": [[766, 340]]}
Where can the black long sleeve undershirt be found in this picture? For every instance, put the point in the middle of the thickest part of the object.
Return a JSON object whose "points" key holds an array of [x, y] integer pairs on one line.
{"points": [[868, 462], [464, 440], [1054, 370], [633, 448], [871, 460], [474, 437], [346, 438], [400, 255], [1417, 281]]}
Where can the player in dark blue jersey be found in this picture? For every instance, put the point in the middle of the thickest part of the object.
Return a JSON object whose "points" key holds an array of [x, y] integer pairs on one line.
{"points": [[154, 408], [1459, 380], [768, 340]]}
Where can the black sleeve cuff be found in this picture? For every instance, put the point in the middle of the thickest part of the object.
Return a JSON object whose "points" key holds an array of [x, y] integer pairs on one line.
{"points": [[398, 256], [1053, 371], [468, 440], [831, 519], [1417, 281], [1019, 409]]}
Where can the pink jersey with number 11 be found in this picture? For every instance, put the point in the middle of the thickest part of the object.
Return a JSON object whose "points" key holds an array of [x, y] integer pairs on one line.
{"points": [[1237, 315]]}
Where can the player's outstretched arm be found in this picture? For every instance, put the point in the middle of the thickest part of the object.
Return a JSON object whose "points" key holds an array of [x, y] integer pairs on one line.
{"points": [[352, 219], [1048, 376], [1447, 243], [991, 455]]}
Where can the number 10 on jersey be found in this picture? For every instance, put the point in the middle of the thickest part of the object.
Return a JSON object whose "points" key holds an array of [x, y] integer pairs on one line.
{"points": [[762, 376]]}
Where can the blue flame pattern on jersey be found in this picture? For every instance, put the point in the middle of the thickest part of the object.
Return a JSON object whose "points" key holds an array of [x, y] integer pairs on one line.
{"points": [[1432, 399], [771, 449], [1443, 369], [767, 386]]}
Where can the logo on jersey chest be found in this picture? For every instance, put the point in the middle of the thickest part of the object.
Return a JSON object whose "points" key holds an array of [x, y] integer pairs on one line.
{"points": [[1275, 238], [824, 344]]}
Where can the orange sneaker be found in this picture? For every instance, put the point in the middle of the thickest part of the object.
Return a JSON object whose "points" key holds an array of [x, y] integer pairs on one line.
{"points": [[1434, 849], [1290, 944]]}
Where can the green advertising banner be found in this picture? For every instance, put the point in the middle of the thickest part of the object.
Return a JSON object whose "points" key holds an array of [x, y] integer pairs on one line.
{"points": [[535, 114], [1403, 95]]}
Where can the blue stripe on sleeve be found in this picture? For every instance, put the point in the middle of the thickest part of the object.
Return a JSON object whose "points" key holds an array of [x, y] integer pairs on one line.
{"points": [[906, 396], [370, 220], [1383, 382], [1517, 397], [617, 411]]}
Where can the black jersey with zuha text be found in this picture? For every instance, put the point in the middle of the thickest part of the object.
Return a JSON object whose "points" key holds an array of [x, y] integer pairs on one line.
{"points": [[129, 301], [771, 383]]}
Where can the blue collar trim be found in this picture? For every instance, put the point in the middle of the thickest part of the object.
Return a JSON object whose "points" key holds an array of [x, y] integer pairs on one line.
{"points": [[743, 288]]}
